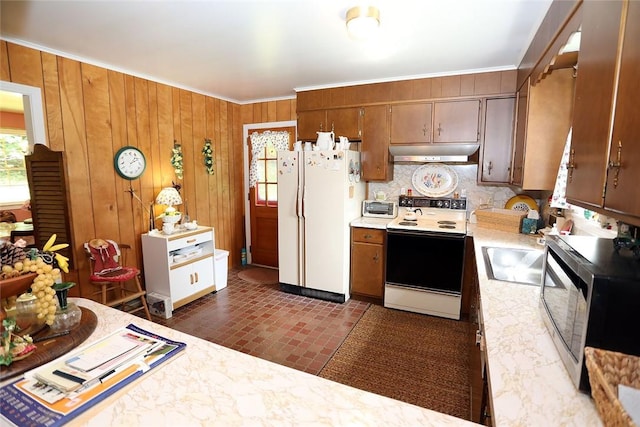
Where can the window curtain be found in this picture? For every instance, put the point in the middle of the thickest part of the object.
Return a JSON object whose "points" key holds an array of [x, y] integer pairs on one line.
{"points": [[559, 198], [259, 141]]}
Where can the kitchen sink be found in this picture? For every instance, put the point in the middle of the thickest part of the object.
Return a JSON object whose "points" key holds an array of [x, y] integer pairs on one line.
{"points": [[514, 265]]}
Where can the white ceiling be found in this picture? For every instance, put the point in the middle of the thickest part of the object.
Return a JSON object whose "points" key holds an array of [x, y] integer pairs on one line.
{"points": [[252, 50]]}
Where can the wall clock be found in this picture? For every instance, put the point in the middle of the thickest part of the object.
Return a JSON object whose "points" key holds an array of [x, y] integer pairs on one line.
{"points": [[129, 162]]}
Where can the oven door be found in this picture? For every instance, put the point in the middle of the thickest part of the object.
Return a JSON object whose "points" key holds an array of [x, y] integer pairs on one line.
{"points": [[425, 260]]}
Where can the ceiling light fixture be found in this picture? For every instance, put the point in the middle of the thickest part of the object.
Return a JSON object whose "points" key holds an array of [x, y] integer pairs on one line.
{"points": [[363, 21]]}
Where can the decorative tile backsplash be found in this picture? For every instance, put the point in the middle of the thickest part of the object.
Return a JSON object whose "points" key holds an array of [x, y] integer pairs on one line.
{"points": [[467, 176]]}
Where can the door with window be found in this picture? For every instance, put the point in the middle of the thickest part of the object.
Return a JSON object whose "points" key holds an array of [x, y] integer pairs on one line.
{"points": [[264, 145]]}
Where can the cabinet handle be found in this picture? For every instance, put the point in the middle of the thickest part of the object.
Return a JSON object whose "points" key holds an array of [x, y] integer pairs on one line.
{"points": [[197, 278], [616, 165], [368, 236], [424, 130], [489, 168], [376, 257], [572, 164], [191, 240], [439, 128], [191, 278]]}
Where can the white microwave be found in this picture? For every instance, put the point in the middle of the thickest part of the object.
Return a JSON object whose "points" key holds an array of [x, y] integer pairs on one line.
{"points": [[379, 209]]}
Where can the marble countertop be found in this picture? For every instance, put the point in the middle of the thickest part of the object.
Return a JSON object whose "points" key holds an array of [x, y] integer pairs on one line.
{"points": [[213, 385], [528, 384]]}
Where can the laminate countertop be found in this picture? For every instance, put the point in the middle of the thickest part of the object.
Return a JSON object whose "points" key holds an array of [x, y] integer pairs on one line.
{"points": [[208, 384], [528, 384]]}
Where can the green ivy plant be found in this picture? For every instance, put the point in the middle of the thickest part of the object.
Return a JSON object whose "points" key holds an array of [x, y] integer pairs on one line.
{"points": [[207, 152], [176, 159]]}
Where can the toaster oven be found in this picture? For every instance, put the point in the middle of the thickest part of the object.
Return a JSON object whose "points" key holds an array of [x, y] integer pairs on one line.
{"points": [[379, 209]]}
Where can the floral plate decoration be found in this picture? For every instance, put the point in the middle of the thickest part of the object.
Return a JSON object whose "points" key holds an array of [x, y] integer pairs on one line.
{"points": [[434, 180]]}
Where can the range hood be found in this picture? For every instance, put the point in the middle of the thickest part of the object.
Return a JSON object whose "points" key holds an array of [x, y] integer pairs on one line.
{"points": [[435, 152]]}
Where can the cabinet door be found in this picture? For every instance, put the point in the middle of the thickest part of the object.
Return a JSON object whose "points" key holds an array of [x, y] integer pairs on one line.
{"points": [[593, 101], [310, 122], [345, 122], [456, 121], [190, 279], [374, 149], [367, 269], [624, 157], [517, 165], [411, 123], [495, 165]]}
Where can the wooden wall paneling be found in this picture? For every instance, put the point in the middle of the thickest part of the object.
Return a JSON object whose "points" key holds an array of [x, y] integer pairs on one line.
{"points": [[436, 87], [95, 98], [163, 171], [237, 180], [4, 62], [467, 84], [199, 200], [25, 65], [451, 86], [284, 108], [51, 102], [401, 90], [153, 172], [177, 130], [187, 142], [272, 111], [210, 217], [422, 88], [224, 195], [337, 97], [508, 81], [487, 83], [76, 158]]}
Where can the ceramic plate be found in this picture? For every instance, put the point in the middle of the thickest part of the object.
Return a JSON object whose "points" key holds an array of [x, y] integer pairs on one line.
{"points": [[434, 180], [521, 203]]}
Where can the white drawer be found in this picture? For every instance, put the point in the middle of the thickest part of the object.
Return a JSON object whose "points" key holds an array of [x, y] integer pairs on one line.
{"points": [[189, 239]]}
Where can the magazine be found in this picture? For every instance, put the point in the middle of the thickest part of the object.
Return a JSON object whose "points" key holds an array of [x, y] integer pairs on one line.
{"points": [[29, 401]]}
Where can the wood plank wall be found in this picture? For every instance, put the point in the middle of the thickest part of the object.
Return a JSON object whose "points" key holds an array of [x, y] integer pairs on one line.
{"points": [[90, 112]]}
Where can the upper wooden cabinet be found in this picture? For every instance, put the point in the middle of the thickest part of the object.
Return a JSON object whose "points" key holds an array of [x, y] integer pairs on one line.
{"points": [[450, 121], [543, 122], [374, 148], [411, 123], [456, 121], [495, 155], [342, 121], [605, 154]]}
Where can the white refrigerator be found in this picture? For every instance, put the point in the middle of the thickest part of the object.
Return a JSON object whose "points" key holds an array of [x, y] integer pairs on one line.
{"points": [[319, 194]]}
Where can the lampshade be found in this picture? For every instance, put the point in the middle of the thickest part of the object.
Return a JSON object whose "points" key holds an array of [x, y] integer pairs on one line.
{"points": [[363, 21], [169, 196]]}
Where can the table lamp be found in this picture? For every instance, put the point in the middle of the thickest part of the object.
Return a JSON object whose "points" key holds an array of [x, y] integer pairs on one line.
{"points": [[169, 196]]}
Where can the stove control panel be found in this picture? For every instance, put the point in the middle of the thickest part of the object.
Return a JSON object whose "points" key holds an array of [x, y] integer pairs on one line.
{"points": [[429, 202]]}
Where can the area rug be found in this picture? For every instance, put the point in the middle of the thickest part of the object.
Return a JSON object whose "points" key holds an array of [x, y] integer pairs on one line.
{"points": [[414, 358], [259, 275]]}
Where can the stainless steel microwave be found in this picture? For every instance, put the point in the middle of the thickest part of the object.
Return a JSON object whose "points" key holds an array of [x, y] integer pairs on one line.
{"points": [[590, 297]]}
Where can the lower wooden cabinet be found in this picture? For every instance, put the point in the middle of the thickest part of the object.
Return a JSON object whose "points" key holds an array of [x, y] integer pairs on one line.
{"points": [[367, 262]]}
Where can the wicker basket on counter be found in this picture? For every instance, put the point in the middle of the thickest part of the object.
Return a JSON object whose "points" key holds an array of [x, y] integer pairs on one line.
{"points": [[608, 369], [500, 219]]}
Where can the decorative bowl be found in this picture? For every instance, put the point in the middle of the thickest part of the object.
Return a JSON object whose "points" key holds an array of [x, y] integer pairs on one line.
{"points": [[171, 219]]}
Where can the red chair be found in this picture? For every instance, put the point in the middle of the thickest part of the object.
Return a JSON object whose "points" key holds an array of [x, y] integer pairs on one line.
{"points": [[111, 275]]}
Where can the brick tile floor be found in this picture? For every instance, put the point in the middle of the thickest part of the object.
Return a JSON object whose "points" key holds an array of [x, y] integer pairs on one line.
{"points": [[299, 332]]}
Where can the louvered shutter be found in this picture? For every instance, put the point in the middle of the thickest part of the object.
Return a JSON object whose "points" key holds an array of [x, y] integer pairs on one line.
{"points": [[49, 202]]}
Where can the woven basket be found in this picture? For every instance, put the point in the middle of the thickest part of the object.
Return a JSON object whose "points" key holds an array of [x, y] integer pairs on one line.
{"points": [[607, 369], [500, 219]]}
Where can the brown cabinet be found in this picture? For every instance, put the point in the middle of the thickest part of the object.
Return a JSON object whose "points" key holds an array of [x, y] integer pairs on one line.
{"points": [[374, 149], [456, 121], [342, 121], [605, 158], [367, 262], [543, 121], [411, 123], [495, 156]]}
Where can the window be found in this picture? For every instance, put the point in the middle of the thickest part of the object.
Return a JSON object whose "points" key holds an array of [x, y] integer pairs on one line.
{"points": [[13, 172], [267, 176]]}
